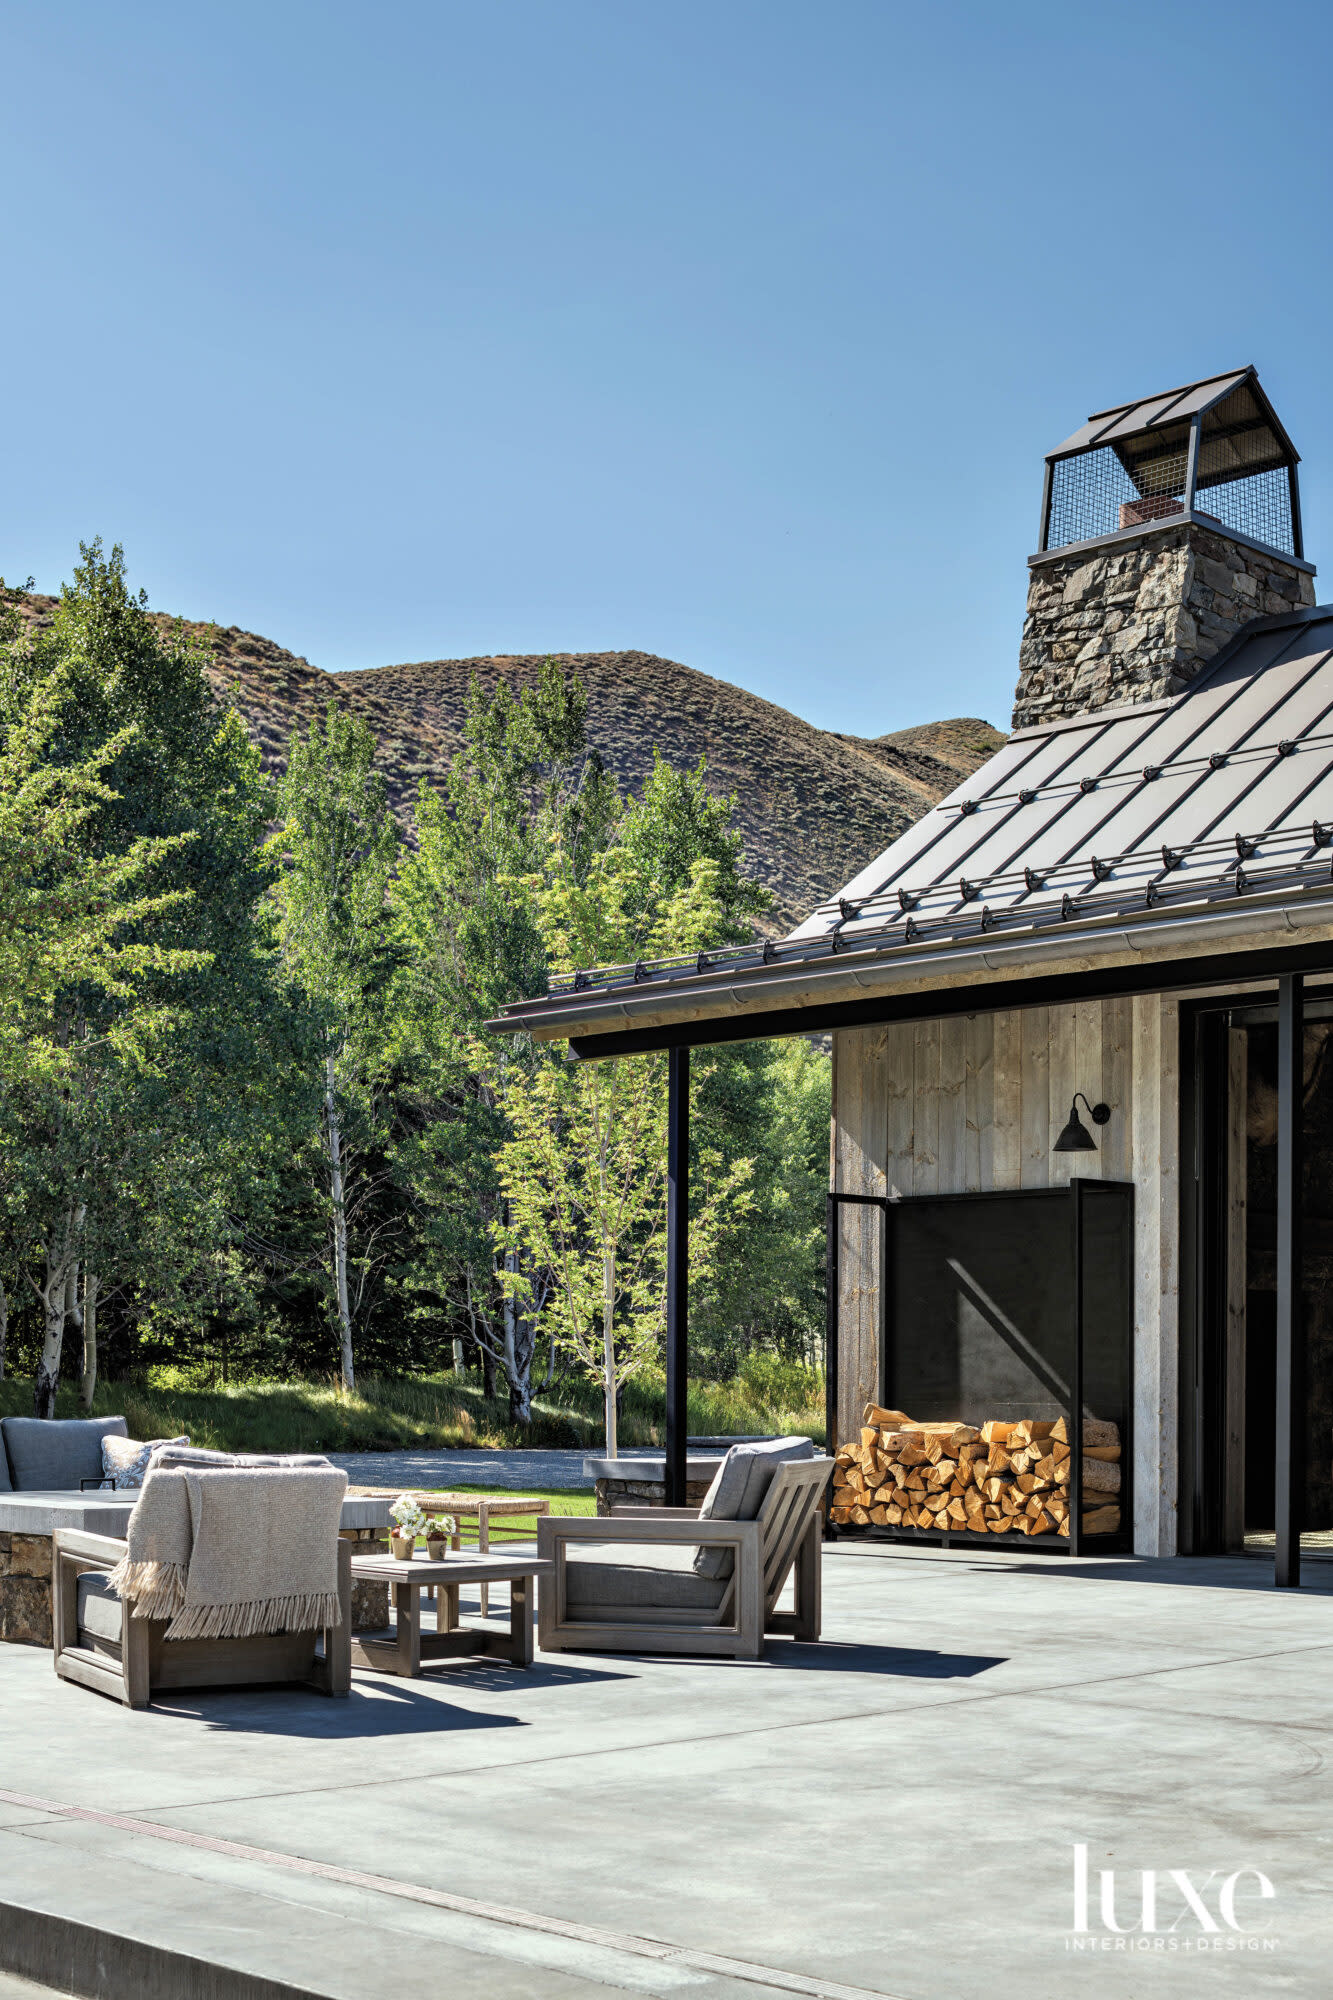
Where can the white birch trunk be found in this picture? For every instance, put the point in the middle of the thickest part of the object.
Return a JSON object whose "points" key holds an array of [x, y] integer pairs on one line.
{"points": [[339, 1224], [518, 1350], [61, 1258], [609, 1346], [88, 1382]]}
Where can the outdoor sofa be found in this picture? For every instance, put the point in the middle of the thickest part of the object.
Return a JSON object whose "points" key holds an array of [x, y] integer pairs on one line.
{"points": [[54, 1455]]}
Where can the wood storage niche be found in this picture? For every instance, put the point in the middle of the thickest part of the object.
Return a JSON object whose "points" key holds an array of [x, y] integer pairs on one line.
{"points": [[1006, 1356]]}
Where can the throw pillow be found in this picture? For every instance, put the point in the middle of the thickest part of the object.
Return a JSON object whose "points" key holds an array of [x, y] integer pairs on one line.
{"points": [[126, 1460], [738, 1489]]}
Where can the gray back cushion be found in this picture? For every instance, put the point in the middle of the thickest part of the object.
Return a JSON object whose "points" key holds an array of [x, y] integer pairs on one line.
{"points": [[57, 1453], [738, 1490]]}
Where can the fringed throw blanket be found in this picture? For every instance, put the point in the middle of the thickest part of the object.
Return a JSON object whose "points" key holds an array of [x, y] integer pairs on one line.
{"points": [[228, 1554]]}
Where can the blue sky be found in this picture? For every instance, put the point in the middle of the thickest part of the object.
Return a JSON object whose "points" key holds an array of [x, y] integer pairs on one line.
{"points": [[733, 332]]}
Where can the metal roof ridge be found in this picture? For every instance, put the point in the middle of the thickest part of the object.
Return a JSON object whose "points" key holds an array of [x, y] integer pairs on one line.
{"points": [[1114, 711], [1157, 395]]}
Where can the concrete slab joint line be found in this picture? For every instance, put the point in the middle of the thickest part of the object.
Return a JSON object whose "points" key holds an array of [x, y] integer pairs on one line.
{"points": [[773, 1978]]}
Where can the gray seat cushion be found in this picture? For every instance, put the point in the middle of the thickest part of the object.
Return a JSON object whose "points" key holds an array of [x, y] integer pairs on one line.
{"points": [[55, 1455], [99, 1607], [738, 1490], [638, 1579]]}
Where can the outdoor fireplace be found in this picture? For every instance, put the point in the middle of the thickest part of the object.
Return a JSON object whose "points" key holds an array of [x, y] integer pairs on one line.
{"points": [[1004, 1317]]}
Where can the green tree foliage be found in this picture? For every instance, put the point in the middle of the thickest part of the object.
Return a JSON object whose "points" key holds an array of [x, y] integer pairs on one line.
{"points": [[248, 1096], [768, 1102], [119, 1153], [675, 823], [523, 785], [338, 846], [583, 1168]]}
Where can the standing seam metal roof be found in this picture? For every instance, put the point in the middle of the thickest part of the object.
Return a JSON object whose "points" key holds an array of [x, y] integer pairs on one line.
{"points": [[1215, 804], [1225, 790]]}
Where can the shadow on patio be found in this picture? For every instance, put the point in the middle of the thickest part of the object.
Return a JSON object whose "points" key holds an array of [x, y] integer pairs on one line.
{"points": [[377, 1706]]}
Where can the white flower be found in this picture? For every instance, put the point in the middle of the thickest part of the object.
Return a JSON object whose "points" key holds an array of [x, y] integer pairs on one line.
{"points": [[409, 1516]]}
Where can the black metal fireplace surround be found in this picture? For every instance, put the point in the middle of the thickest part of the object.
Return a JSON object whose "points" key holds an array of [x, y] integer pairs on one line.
{"points": [[1011, 1304]]}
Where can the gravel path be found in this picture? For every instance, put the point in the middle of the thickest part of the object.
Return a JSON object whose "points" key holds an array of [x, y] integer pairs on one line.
{"points": [[513, 1471]]}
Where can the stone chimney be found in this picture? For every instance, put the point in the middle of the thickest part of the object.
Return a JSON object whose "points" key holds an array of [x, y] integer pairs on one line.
{"points": [[1167, 525]]}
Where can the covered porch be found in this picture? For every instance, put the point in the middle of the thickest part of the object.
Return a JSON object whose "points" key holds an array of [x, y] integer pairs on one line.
{"points": [[1093, 909]]}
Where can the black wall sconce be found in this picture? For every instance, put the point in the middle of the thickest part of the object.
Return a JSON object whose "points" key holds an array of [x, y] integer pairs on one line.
{"points": [[1076, 1137]]}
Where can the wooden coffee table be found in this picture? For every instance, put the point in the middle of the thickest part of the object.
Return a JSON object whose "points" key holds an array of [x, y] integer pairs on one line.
{"points": [[483, 1508], [408, 1648]]}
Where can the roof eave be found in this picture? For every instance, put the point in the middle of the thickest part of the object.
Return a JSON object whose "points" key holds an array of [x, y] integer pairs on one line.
{"points": [[812, 983]]}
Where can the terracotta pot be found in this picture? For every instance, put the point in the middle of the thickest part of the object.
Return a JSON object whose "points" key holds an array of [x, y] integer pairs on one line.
{"points": [[403, 1546]]}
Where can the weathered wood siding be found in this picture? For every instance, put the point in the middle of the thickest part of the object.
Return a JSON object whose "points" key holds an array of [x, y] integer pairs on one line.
{"points": [[975, 1103]]}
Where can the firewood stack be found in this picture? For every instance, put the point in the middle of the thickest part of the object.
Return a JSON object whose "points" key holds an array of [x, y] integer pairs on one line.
{"points": [[1000, 1479]]}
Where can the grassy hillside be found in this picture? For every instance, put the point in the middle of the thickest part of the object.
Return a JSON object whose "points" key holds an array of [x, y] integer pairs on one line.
{"points": [[812, 806]]}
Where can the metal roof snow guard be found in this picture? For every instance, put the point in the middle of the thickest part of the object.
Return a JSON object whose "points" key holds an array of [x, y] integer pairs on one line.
{"points": [[1212, 451]]}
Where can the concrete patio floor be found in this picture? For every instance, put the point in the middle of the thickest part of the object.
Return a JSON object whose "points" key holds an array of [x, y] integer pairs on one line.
{"points": [[892, 1812]]}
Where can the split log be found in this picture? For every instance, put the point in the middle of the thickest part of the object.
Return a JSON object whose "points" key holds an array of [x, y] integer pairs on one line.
{"points": [[1099, 1477], [885, 1420]]}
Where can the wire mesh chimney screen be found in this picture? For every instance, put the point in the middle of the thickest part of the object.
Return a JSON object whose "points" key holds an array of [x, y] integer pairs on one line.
{"points": [[1243, 480], [1094, 495]]}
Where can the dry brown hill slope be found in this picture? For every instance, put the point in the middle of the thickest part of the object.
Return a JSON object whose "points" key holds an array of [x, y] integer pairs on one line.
{"points": [[812, 807]]}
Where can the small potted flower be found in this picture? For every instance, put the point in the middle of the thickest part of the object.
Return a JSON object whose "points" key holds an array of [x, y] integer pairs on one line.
{"points": [[442, 1527], [410, 1522]]}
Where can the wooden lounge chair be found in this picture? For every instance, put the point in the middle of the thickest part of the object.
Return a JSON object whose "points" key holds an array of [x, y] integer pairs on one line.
{"points": [[631, 1582], [99, 1644]]}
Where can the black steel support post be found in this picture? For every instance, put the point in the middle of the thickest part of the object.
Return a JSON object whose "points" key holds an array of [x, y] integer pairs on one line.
{"points": [[831, 1324], [1192, 464], [1289, 1494], [1047, 487], [678, 1272], [1075, 1515]]}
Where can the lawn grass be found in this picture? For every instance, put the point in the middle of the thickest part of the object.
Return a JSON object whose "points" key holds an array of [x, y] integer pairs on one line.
{"points": [[436, 1412], [509, 1527]]}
